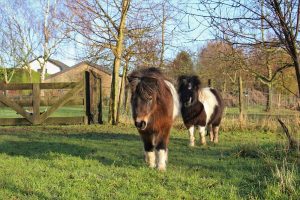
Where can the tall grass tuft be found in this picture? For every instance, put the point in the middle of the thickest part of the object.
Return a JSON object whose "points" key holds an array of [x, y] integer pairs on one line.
{"points": [[285, 182], [286, 177]]}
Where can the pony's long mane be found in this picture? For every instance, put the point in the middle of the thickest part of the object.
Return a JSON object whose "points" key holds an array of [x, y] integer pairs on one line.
{"points": [[147, 82]]}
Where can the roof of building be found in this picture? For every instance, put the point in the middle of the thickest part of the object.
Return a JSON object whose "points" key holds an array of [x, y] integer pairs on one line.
{"points": [[58, 63], [99, 67]]}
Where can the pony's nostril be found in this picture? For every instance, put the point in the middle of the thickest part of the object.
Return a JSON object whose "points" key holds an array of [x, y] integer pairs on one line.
{"points": [[143, 125], [140, 125], [137, 124]]}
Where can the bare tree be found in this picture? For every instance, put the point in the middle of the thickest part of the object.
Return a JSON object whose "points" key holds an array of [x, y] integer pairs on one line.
{"points": [[18, 39], [30, 34], [103, 25], [244, 23], [53, 31], [166, 20]]}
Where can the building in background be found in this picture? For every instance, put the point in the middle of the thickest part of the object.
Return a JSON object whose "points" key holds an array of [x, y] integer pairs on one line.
{"points": [[52, 66], [76, 73]]}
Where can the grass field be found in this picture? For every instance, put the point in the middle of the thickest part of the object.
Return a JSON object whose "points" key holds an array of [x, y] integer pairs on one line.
{"points": [[7, 112], [106, 162], [73, 111]]}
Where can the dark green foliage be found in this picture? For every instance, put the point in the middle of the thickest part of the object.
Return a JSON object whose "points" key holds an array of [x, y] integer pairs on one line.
{"points": [[181, 65], [20, 75]]}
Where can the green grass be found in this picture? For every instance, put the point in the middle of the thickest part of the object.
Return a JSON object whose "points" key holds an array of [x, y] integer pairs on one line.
{"points": [[106, 162], [79, 111], [66, 111], [260, 110]]}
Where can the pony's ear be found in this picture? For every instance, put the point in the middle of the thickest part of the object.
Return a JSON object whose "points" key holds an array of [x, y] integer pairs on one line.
{"points": [[133, 81], [196, 81], [182, 79]]}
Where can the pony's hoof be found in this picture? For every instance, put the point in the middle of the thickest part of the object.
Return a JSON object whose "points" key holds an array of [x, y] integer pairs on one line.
{"points": [[203, 142], [161, 168], [151, 165], [192, 144]]}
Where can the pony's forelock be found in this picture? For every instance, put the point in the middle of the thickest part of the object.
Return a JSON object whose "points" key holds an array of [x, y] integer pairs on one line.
{"points": [[146, 89], [147, 82], [184, 80]]}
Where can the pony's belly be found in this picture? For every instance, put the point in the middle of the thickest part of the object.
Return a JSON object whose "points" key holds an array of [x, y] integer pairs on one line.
{"points": [[199, 121]]}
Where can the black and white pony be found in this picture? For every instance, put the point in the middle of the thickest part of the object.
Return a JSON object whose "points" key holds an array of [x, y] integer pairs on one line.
{"points": [[202, 107]]}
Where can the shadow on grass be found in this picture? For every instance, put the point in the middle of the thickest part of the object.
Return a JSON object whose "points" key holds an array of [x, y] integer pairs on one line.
{"points": [[107, 148], [102, 136], [41, 149], [17, 191]]}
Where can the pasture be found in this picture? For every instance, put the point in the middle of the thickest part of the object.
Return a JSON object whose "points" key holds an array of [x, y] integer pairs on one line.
{"points": [[106, 162]]}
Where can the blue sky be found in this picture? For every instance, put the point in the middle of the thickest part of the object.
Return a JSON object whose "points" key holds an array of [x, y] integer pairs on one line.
{"points": [[189, 35], [186, 37]]}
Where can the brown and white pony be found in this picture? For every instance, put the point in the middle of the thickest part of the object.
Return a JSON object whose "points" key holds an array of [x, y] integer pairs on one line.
{"points": [[155, 104], [202, 107]]}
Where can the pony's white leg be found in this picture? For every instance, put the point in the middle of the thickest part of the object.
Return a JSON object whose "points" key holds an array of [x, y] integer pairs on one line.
{"points": [[202, 134], [150, 158], [211, 134], [162, 158], [216, 134], [167, 154], [192, 137]]}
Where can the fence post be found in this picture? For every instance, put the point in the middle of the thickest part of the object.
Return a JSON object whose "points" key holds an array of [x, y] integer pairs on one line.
{"points": [[93, 98], [99, 89], [36, 99], [87, 96]]}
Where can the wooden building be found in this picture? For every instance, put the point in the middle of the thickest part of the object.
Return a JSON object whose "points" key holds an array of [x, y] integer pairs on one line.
{"points": [[70, 74], [75, 74]]}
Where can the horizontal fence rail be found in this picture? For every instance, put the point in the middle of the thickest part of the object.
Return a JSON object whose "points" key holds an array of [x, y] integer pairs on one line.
{"points": [[49, 121], [29, 86], [46, 102]]}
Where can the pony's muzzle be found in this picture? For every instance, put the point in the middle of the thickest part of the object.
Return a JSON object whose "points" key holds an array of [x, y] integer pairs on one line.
{"points": [[140, 125]]}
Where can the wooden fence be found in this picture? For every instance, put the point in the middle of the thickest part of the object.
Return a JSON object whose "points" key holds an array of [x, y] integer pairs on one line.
{"points": [[91, 100]]}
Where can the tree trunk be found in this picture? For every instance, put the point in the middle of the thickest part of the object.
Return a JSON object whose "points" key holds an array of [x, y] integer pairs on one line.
{"points": [[43, 72], [279, 101], [117, 61], [114, 87], [5, 75], [224, 87], [163, 23], [124, 75], [241, 103], [30, 75], [46, 41], [126, 99], [5, 80], [269, 98], [297, 70]]}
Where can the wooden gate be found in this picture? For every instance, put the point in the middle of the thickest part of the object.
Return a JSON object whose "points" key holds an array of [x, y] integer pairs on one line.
{"points": [[90, 99]]}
